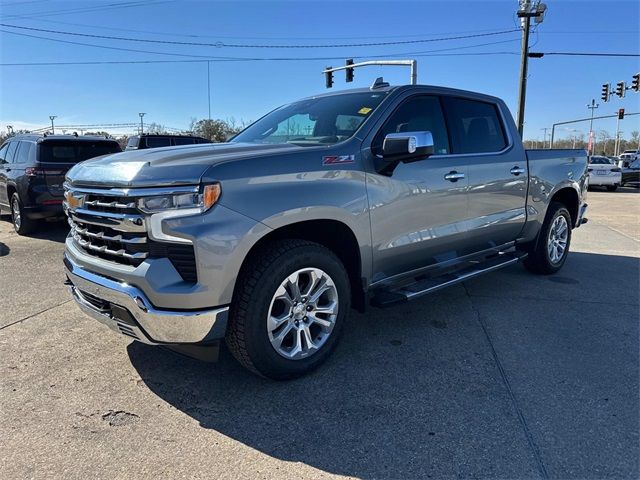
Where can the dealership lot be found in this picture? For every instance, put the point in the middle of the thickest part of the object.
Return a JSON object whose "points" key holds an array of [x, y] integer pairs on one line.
{"points": [[510, 375]]}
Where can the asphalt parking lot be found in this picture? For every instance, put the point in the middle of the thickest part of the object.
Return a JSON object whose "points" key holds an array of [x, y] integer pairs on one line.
{"points": [[507, 376]]}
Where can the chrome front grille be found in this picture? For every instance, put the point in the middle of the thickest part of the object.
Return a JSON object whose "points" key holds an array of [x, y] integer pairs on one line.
{"points": [[108, 224]]}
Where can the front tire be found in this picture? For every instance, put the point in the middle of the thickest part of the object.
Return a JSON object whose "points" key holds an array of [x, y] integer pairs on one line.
{"points": [[21, 224], [549, 252], [288, 310]]}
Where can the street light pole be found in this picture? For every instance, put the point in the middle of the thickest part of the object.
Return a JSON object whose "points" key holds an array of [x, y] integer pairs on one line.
{"points": [[592, 139], [544, 138], [524, 65], [209, 87], [53, 129], [141, 123]]}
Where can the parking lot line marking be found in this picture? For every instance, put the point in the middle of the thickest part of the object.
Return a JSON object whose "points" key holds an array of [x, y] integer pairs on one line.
{"points": [[34, 315], [505, 380]]}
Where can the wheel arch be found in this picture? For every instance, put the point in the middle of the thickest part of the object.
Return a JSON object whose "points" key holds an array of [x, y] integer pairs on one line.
{"points": [[332, 234], [569, 197]]}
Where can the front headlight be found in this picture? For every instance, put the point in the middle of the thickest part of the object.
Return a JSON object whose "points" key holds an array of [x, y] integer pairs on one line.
{"points": [[202, 201]]}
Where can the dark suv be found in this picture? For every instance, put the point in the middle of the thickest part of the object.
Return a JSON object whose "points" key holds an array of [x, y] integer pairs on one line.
{"points": [[150, 140], [32, 171]]}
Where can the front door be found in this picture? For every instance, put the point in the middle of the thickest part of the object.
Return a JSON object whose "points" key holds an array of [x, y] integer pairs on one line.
{"points": [[418, 213]]}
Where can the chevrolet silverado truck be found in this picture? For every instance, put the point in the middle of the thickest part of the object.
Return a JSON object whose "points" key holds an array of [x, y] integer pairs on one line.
{"points": [[367, 196]]}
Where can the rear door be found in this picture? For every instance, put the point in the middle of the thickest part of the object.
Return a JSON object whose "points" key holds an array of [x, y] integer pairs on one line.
{"points": [[6, 166], [418, 213], [56, 157], [498, 174]]}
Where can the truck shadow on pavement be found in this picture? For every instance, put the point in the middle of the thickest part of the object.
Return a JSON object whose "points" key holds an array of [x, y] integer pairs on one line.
{"points": [[415, 390]]}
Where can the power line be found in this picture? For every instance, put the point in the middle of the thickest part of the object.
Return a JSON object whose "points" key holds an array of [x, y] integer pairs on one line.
{"points": [[244, 45], [219, 58], [93, 8], [245, 37], [592, 54]]}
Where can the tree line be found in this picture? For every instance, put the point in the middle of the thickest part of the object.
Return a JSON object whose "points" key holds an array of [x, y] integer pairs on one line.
{"points": [[216, 130], [604, 142]]}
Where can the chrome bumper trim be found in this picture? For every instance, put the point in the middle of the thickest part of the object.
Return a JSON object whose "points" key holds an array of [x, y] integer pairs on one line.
{"points": [[152, 326]]}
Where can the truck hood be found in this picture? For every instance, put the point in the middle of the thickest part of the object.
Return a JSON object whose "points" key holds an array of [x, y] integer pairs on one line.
{"points": [[167, 166]]}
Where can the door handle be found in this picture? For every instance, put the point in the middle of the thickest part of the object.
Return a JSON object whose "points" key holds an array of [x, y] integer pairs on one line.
{"points": [[517, 171], [454, 176]]}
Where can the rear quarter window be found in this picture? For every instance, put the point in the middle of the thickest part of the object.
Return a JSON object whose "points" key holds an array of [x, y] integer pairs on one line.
{"points": [[155, 142], [184, 141], [475, 126]]}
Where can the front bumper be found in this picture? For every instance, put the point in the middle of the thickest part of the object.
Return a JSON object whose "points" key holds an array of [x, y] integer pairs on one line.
{"points": [[125, 309]]}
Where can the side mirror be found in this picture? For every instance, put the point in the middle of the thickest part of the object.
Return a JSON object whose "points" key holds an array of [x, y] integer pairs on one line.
{"points": [[407, 146]]}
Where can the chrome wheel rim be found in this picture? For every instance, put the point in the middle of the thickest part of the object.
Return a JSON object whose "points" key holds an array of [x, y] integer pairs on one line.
{"points": [[558, 239], [15, 210], [302, 313]]}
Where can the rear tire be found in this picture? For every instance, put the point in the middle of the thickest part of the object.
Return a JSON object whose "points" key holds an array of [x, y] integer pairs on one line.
{"points": [[548, 254], [276, 332], [612, 188], [21, 224]]}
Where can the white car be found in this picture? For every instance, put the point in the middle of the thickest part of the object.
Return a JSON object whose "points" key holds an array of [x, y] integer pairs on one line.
{"points": [[627, 157], [603, 172]]}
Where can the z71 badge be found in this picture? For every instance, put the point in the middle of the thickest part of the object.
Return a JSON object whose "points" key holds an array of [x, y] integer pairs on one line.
{"points": [[338, 159]]}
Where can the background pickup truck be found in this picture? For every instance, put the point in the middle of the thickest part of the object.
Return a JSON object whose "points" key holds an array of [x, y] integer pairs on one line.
{"points": [[377, 195]]}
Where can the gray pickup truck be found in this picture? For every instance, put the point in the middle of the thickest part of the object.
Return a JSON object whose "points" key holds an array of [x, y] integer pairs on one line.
{"points": [[367, 196]]}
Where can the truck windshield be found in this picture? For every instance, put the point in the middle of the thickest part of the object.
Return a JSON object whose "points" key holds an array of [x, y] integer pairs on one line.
{"points": [[315, 121]]}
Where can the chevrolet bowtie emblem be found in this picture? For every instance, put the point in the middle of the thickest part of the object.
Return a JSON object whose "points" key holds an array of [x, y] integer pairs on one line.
{"points": [[73, 201]]}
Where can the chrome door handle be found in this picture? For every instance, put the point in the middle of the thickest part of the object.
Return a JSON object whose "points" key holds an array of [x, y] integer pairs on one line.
{"points": [[517, 171], [454, 176]]}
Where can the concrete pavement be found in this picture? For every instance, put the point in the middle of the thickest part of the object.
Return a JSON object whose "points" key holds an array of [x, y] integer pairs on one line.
{"points": [[508, 376]]}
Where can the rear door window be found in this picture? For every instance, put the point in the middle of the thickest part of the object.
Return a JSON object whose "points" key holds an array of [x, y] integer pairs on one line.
{"points": [[475, 126], [11, 151], [155, 142], [64, 151]]}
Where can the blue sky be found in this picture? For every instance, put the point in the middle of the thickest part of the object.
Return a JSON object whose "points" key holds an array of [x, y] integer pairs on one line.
{"points": [[172, 93]]}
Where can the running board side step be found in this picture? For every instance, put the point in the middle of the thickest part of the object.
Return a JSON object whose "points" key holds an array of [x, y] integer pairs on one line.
{"points": [[385, 297]]}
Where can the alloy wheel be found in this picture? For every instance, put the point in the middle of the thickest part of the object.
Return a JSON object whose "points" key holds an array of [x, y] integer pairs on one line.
{"points": [[302, 313]]}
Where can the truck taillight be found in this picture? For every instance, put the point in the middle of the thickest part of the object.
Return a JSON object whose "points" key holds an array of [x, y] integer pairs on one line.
{"points": [[33, 171], [37, 171]]}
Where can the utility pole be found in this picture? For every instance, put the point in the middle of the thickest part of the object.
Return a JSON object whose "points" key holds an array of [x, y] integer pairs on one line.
{"points": [[209, 87], [53, 129], [526, 12], [592, 137], [141, 123], [544, 138]]}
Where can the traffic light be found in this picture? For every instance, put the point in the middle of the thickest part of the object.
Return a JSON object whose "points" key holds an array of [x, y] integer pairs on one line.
{"points": [[605, 92], [621, 114], [349, 71], [635, 83], [328, 77], [621, 89]]}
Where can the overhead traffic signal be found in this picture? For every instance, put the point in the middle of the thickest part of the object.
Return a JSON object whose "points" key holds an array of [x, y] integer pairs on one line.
{"points": [[621, 88], [605, 92], [349, 71], [635, 83], [621, 114], [328, 77]]}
